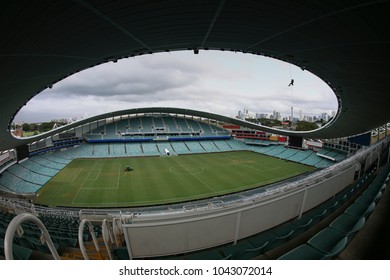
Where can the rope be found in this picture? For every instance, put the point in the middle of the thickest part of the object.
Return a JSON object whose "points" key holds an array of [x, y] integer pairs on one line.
{"points": [[291, 85]]}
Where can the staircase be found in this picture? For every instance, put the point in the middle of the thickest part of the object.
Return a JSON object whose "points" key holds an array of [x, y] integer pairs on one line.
{"points": [[70, 253]]}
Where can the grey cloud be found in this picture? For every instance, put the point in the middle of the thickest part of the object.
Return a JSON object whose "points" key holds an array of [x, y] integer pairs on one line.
{"points": [[207, 81], [127, 77]]}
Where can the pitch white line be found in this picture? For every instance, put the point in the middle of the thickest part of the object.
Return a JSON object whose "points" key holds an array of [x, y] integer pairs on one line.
{"points": [[97, 176], [85, 180], [199, 179]]}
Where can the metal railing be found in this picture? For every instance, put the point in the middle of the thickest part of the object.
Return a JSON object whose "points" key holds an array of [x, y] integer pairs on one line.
{"points": [[81, 239], [15, 225], [112, 234]]}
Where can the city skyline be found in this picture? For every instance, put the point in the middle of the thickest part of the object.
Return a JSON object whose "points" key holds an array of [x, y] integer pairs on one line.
{"points": [[277, 115]]}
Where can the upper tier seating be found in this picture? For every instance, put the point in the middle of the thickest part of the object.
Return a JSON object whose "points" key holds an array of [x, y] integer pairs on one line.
{"points": [[151, 125]]}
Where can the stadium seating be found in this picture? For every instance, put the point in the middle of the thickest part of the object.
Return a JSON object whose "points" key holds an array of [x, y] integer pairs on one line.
{"points": [[209, 146], [117, 149], [195, 147], [19, 252], [63, 231], [150, 149], [29, 175], [222, 145], [162, 146], [243, 250], [256, 245], [18, 185], [304, 252], [180, 147], [122, 126], [39, 169], [133, 149], [100, 150], [135, 125], [335, 237], [170, 124], [151, 125]]}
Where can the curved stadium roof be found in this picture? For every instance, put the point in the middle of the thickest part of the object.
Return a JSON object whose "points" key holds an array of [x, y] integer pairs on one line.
{"points": [[345, 43]]}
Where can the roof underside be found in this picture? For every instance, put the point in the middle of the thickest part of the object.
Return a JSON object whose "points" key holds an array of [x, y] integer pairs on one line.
{"points": [[345, 43]]}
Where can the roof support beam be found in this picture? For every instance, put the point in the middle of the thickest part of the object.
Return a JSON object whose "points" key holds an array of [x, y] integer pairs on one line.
{"points": [[113, 23], [217, 13]]}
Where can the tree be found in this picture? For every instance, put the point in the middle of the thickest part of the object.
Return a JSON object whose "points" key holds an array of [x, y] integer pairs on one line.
{"points": [[305, 126], [265, 122]]}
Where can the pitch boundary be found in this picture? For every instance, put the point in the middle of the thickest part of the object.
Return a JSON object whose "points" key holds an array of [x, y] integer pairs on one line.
{"points": [[105, 184], [87, 178]]}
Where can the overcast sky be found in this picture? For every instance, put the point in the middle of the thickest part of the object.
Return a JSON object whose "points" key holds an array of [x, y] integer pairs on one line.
{"points": [[212, 81]]}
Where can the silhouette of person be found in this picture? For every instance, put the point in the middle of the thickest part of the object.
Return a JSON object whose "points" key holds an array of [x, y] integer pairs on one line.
{"points": [[291, 83]]}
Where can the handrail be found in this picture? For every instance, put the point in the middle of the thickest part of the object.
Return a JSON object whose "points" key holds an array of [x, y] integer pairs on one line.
{"points": [[117, 230], [98, 214], [112, 233], [107, 236], [81, 239], [15, 224]]}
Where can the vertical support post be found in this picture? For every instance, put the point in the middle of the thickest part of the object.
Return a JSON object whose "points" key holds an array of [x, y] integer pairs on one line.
{"points": [[303, 202], [388, 154], [360, 169], [238, 225], [379, 134], [378, 160]]}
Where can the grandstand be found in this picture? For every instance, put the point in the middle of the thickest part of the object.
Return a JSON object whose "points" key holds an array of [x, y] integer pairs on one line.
{"points": [[88, 174], [315, 214]]}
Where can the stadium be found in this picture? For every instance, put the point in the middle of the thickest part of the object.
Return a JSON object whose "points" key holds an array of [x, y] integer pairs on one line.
{"points": [[177, 183]]}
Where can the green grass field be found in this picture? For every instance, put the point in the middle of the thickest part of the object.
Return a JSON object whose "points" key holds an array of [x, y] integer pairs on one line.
{"points": [[160, 180]]}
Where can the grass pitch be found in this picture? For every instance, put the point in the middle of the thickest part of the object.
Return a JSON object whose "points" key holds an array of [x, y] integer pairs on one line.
{"points": [[101, 183]]}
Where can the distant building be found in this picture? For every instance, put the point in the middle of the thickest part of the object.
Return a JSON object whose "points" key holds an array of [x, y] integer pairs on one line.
{"points": [[308, 118], [18, 132], [261, 116], [241, 115], [276, 115], [324, 116]]}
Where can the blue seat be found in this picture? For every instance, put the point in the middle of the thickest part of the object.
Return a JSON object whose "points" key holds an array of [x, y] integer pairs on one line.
{"points": [[65, 242], [205, 255], [317, 214], [265, 240], [41, 247], [248, 254], [303, 252], [327, 240], [348, 224], [25, 242], [285, 230], [281, 236], [360, 210], [331, 206], [301, 225], [19, 252], [365, 199], [235, 250], [2, 232]]}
